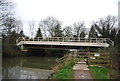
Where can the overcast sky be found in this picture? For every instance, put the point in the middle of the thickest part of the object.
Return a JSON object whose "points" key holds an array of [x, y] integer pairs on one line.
{"points": [[68, 11]]}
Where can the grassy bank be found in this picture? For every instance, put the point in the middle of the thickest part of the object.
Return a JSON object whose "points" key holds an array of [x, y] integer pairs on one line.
{"points": [[99, 72], [67, 71]]}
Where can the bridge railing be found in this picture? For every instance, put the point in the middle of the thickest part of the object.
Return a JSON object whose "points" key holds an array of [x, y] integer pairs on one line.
{"points": [[68, 39]]}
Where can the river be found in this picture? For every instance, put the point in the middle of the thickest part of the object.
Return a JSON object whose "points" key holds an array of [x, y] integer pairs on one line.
{"points": [[28, 67]]}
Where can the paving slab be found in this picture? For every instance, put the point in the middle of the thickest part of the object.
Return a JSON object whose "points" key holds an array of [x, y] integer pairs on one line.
{"points": [[81, 71], [82, 75], [80, 67], [81, 62]]}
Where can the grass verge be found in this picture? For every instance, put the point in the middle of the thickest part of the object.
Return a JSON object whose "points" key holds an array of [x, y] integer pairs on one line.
{"points": [[99, 72], [67, 71]]}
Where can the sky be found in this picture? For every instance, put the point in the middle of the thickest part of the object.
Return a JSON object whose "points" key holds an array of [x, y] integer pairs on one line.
{"points": [[67, 11]]}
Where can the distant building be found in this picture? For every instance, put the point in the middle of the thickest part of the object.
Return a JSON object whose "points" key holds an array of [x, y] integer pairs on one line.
{"points": [[119, 14]]}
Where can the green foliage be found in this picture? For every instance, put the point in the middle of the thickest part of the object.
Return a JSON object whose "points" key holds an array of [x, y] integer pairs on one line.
{"points": [[10, 50], [58, 31], [67, 71], [21, 33], [9, 44], [68, 31], [118, 37], [106, 28], [82, 34], [93, 33], [99, 72], [115, 61], [113, 35], [39, 34]]}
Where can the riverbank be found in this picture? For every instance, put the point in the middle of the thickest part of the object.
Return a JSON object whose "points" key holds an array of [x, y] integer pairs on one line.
{"points": [[67, 71]]}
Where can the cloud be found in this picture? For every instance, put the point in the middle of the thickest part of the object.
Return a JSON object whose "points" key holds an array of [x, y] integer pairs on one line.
{"points": [[68, 11]]}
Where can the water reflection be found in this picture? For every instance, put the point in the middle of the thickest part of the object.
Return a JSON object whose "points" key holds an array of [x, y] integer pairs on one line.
{"points": [[28, 67]]}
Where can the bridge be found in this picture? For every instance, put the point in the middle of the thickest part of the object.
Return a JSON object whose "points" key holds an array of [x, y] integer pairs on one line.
{"points": [[63, 42]]}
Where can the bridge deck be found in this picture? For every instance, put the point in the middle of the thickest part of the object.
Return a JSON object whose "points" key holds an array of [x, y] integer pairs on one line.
{"points": [[62, 41]]}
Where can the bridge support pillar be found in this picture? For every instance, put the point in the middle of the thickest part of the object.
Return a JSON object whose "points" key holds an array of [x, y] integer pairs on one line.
{"points": [[23, 48]]}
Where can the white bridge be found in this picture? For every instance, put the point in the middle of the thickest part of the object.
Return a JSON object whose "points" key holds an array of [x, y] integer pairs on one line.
{"points": [[63, 42]]}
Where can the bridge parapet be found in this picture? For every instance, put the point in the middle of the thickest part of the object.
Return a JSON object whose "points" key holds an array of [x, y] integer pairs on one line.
{"points": [[68, 39]]}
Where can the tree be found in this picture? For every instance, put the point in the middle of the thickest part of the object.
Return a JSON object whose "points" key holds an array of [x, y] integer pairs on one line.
{"points": [[92, 32], [19, 26], [118, 37], [11, 28], [104, 26], [78, 27], [9, 24], [39, 34], [21, 33], [6, 11], [43, 27], [52, 26], [68, 31], [82, 34], [32, 26], [113, 35], [57, 31], [12, 24]]}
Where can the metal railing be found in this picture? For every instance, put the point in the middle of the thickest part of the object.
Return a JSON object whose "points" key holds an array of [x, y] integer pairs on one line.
{"points": [[68, 39]]}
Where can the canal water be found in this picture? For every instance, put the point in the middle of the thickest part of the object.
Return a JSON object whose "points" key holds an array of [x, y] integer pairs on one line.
{"points": [[28, 67]]}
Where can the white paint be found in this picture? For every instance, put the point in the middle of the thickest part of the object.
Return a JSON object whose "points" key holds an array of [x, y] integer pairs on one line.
{"points": [[97, 54], [92, 58], [63, 43]]}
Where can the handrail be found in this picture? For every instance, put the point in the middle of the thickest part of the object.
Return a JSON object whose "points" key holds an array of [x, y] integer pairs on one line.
{"points": [[110, 41], [68, 39]]}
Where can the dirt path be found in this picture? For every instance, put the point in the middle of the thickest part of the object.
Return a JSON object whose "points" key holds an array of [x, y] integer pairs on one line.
{"points": [[81, 71]]}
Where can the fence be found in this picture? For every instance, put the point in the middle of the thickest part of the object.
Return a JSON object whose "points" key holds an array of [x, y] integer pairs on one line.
{"points": [[68, 39], [100, 59], [95, 57]]}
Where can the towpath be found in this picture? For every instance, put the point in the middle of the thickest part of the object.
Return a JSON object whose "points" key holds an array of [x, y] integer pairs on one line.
{"points": [[81, 71]]}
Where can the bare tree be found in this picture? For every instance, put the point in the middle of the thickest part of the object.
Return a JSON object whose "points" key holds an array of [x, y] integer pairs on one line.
{"points": [[19, 26], [78, 28], [50, 25], [68, 31], [6, 10], [32, 26], [43, 27], [12, 24]]}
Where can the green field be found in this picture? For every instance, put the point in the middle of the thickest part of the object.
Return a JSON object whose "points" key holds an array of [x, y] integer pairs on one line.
{"points": [[99, 72], [67, 71]]}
